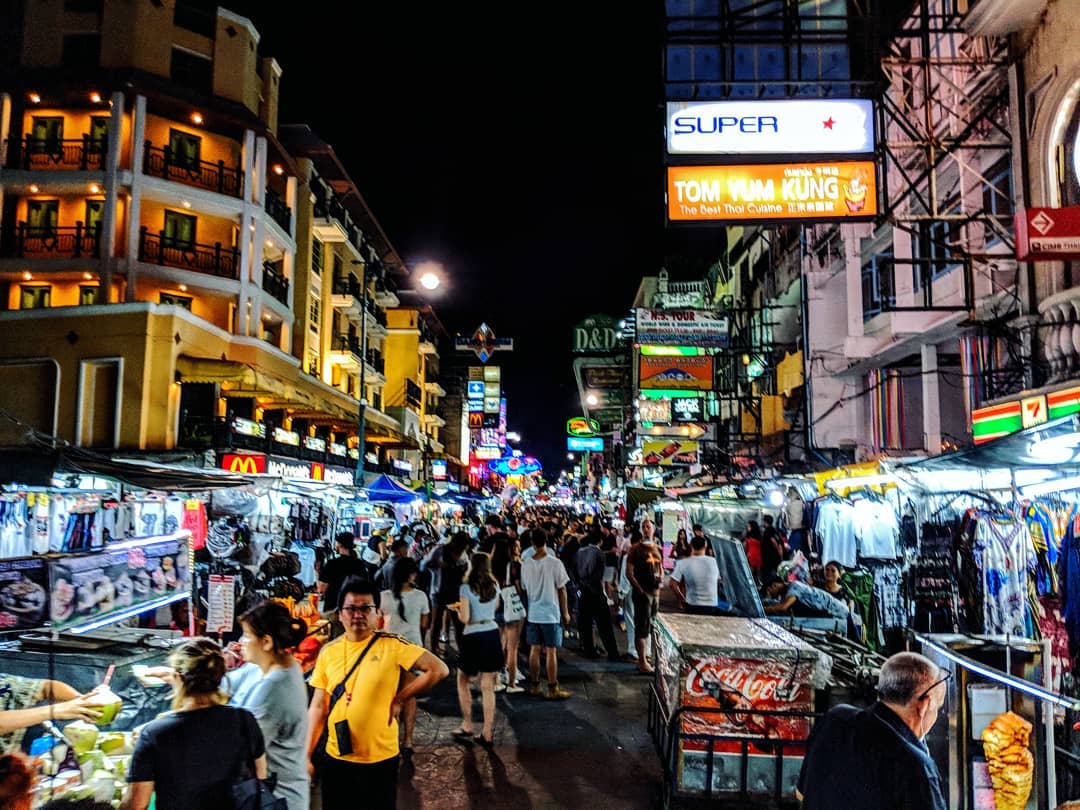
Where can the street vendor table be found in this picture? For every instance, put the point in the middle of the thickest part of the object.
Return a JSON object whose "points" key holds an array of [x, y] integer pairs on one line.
{"points": [[733, 702]]}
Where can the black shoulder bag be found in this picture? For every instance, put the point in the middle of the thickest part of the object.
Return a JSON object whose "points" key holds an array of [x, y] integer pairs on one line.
{"points": [[319, 754]]}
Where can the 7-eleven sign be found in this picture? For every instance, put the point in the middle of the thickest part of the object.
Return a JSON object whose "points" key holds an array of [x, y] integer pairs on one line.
{"points": [[1033, 411]]}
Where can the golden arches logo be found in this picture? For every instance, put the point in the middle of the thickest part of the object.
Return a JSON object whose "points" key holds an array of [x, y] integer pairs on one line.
{"points": [[316, 471], [250, 464]]}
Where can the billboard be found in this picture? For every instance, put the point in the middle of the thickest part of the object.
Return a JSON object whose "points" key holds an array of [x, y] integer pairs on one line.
{"points": [[681, 327], [1048, 233], [654, 410], [577, 444], [669, 451], [606, 377], [692, 373], [779, 191], [243, 463], [688, 409], [835, 126]]}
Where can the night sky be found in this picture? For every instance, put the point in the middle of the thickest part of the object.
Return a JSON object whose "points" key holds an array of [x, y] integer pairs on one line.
{"points": [[523, 149]]}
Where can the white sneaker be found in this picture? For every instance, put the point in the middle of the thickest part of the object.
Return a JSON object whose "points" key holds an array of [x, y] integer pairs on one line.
{"points": [[513, 690], [520, 678], [500, 686]]}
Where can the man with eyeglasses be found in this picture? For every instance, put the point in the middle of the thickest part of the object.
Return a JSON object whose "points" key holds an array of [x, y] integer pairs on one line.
{"points": [[875, 758], [357, 700]]}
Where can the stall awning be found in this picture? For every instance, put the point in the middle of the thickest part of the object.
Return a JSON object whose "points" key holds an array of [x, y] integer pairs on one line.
{"points": [[1055, 445], [37, 468], [233, 377]]}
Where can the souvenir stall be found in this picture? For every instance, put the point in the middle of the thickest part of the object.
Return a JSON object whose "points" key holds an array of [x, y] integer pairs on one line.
{"points": [[96, 553]]}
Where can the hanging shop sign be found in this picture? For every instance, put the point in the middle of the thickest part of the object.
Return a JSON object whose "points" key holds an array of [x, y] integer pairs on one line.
{"points": [[289, 437], [514, 465], [337, 449], [600, 377], [676, 372], [476, 419], [693, 430], [486, 453], [785, 191], [483, 343], [476, 389], [775, 127], [1048, 233], [598, 333], [438, 469], [669, 452], [580, 444], [24, 589], [248, 427], [654, 411], [315, 443], [995, 421], [245, 463], [582, 426], [681, 327], [687, 409]]}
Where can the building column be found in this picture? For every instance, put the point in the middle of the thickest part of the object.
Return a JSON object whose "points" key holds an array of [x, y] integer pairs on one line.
{"points": [[853, 277], [107, 243], [931, 400], [138, 135]]}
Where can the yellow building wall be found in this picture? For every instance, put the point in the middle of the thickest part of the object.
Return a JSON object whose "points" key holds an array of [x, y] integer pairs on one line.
{"points": [[215, 309], [138, 35], [72, 209], [235, 60], [402, 356], [77, 123], [213, 147]]}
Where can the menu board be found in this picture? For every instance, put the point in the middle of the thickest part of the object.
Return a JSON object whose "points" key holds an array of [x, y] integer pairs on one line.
{"points": [[92, 586], [24, 593]]}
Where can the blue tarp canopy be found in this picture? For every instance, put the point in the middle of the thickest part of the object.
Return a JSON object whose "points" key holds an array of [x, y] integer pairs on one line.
{"points": [[385, 488]]}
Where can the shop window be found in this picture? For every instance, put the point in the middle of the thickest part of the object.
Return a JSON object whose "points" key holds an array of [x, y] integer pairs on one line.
{"points": [[88, 295], [41, 217], [171, 299], [932, 246], [99, 402], [313, 364], [179, 230], [81, 50], [184, 148], [315, 311], [99, 134], [94, 210], [191, 70], [46, 134], [37, 296]]}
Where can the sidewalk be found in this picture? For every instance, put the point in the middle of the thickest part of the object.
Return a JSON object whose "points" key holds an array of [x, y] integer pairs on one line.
{"points": [[590, 751]]}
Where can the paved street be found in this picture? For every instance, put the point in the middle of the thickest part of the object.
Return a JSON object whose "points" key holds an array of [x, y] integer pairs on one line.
{"points": [[591, 751]]}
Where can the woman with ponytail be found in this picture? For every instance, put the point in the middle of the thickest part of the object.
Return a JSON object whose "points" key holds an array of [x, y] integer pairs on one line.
{"points": [[406, 612], [192, 756], [271, 686]]}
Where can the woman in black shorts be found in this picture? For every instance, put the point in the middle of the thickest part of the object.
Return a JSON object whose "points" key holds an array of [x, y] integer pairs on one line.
{"points": [[481, 650]]}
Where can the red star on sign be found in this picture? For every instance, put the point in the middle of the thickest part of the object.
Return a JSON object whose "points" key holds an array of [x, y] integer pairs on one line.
{"points": [[828, 122]]}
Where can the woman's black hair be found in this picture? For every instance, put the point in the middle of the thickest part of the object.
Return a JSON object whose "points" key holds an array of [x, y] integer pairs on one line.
{"points": [[269, 618], [403, 569]]}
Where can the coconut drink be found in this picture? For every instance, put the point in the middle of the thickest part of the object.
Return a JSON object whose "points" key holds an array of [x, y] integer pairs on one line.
{"points": [[107, 702]]}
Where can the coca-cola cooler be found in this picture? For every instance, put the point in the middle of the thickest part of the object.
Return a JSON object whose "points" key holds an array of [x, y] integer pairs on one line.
{"points": [[736, 702]]}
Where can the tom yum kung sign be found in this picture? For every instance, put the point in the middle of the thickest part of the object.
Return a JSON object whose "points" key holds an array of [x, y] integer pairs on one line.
{"points": [[784, 191]]}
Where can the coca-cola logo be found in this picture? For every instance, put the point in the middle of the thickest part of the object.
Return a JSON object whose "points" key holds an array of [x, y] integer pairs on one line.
{"points": [[709, 677]]}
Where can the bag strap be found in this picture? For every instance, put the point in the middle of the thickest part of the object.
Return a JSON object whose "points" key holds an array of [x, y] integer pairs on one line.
{"points": [[339, 690]]}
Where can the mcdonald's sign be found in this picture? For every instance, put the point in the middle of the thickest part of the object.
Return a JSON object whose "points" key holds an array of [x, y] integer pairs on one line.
{"points": [[243, 463], [318, 472]]}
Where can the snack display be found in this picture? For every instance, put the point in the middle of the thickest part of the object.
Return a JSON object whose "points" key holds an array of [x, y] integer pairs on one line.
{"points": [[1012, 765]]}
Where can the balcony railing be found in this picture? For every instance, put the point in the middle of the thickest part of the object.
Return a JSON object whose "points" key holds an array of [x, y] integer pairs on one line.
{"points": [[331, 208], [215, 260], [53, 153], [346, 286], [161, 162], [376, 361], [413, 395], [275, 283], [346, 343], [278, 210], [68, 242]]}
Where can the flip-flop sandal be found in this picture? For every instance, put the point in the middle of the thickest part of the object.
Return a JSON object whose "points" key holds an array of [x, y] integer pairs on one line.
{"points": [[461, 734], [482, 740]]}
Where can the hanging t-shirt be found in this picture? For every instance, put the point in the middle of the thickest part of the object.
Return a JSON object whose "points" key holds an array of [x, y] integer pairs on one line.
{"points": [[794, 509], [174, 515], [876, 528], [835, 529], [1005, 549], [306, 554]]}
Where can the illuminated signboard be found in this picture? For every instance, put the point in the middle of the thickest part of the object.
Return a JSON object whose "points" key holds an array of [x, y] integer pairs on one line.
{"points": [[237, 463], [687, 409], [315, 443], [785, 191], [514, 465], [676, 372], [476, 419], [476, 389], [581, 426], [491, 373], [667, 452], [681, 327], [486, 453], [655, 410], [491, 405], [283, 436], [577, 444], [246, 427], [438, 469], [774, 127], [492, 389]]}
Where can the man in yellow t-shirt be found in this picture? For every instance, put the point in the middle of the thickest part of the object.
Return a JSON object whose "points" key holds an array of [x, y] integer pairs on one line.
{"points": [[360, 765]]}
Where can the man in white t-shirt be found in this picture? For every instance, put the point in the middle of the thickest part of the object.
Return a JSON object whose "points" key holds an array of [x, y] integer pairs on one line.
{"points": [[544, 578], [696, 579]]}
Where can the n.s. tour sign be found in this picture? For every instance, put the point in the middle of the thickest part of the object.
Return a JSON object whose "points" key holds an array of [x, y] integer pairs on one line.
{"points": [[598, 333], [681, 327], [773, 127]]}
